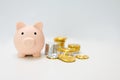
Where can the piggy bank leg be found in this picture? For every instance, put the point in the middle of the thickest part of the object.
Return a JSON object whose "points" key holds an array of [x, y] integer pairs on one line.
{"points": [[36, 55], [21, 55]]}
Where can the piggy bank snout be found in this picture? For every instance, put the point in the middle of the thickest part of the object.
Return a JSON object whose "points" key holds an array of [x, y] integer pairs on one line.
{"points": [[28, 42]]}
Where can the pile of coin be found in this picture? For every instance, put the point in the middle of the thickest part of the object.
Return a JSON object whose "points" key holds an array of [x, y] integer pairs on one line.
{"points": [[57, 50]]}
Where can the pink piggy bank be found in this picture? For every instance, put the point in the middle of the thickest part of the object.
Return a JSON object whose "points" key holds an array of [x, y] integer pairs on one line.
{"points": [[29, 40]]}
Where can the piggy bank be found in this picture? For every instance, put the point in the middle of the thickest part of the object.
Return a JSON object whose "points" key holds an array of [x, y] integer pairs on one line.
{"points": [[29, 40]]}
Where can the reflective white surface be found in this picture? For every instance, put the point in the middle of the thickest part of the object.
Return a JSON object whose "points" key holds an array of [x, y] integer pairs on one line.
{"points": [[103, 64]]}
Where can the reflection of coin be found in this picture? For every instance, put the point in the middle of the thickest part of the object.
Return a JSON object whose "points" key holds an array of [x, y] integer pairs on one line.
{"points": [[65, 58], [83, 57], [46, 49]]}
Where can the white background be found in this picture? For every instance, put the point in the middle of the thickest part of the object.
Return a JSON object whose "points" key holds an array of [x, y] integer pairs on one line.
{"points": [[95, 24]]}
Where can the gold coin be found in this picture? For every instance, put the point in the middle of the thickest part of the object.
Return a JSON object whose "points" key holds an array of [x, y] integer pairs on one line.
{"points": [[67, 50], [60, 39], [61, 49], [61, 44], [76, 47], [60, 56], [83, 57], [68, 59], [73, 45], [79, 56]]}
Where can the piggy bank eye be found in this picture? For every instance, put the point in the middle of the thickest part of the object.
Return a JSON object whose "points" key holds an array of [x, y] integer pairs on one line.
{"points": [[35, 33], [22, 33]]}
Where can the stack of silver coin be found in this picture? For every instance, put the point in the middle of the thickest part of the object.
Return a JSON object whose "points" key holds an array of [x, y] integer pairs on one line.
{"points": [[51, 50]]}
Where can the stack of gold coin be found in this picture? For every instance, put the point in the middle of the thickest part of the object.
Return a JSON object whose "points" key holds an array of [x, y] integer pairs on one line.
{"points": [[66, 56], [66, 50], [75, 47], [60, 41], [60, 49]]}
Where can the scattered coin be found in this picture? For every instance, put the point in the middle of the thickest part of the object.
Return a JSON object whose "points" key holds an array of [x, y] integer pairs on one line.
{"points": [[68, 59], [83, 57], [65, 54]]}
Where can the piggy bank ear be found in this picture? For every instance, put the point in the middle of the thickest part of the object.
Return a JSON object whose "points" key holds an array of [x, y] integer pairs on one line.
{"points": [[20, 25], [38, 25]]}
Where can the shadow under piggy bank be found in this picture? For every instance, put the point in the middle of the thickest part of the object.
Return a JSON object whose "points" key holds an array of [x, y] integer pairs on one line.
{"points": [[30, 57]]}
